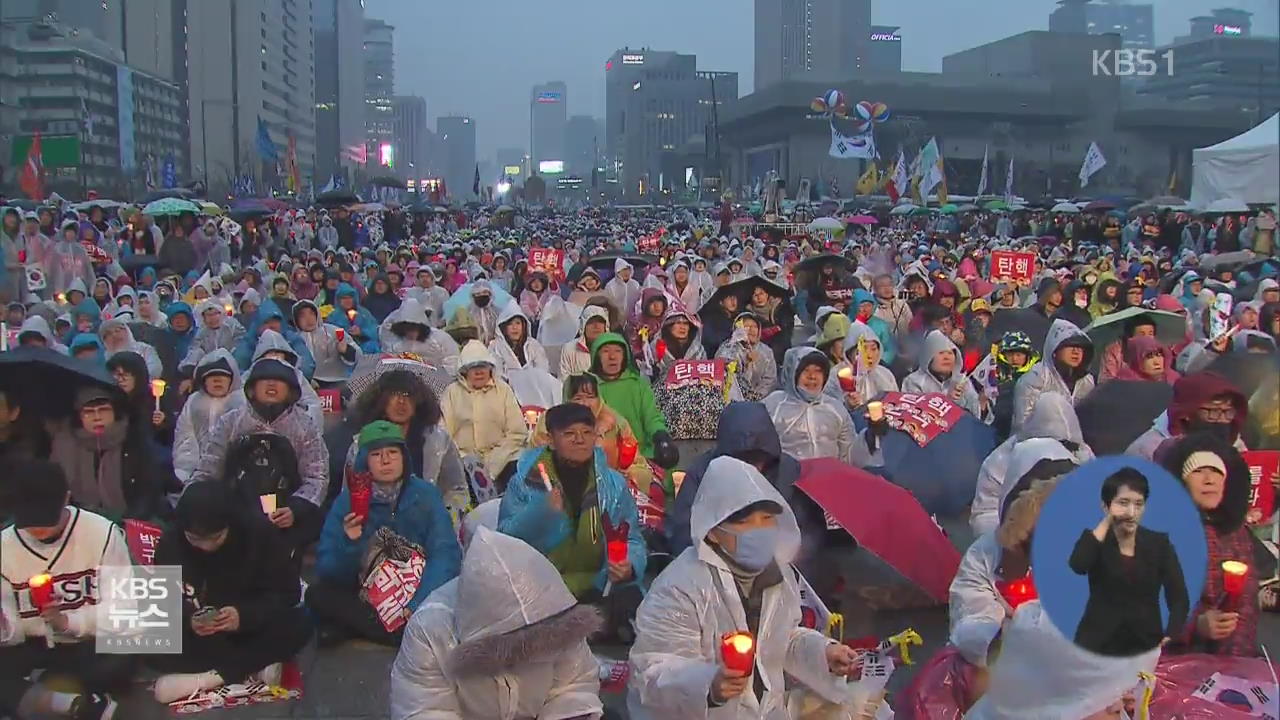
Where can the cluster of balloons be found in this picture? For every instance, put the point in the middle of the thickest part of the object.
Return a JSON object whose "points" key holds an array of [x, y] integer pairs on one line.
{"points": [[866, 114]]}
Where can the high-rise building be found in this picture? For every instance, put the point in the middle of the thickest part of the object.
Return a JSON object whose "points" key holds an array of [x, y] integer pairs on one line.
{"points": [[379, 88], [456, 137], [828, 39], [250, 62], [1134, 23], [411, 140], [884, 51], [583, 145], [102, 19], [154, 37], [548, 112], [1223, 22], [655, 102], [338, 27]]}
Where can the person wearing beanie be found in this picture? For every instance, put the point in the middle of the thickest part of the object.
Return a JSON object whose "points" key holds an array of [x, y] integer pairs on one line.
{"points": [[51, 536], [1218, 480], [240, 618], [272, 453], [403, 511]]}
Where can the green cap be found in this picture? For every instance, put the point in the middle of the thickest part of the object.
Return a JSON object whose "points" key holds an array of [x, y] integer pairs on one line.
{"points": [[380, 434]]}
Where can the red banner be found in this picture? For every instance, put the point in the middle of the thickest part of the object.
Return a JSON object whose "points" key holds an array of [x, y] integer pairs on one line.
{"points": [[691, 372], [142, 538], [1264, 466], [1019, 267], [923, 417], [390, 588], [330, 401], [547, 260]]}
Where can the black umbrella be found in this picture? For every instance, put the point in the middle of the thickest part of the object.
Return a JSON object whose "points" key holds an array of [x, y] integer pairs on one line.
{"points": [[603, 264], [742, 289], [249, 210], [388, 181], [46, 381], [808, 271], [1117, 412], [1245, 370], [1026, 320], [174, 192], [337, 197]]}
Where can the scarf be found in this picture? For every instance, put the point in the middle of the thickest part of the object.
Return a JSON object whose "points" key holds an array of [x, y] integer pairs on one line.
{"points": [[385, 493], [94, 467]]}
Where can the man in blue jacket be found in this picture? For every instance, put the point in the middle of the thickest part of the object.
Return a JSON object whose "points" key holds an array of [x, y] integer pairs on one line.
{"points": [[405, 512]]}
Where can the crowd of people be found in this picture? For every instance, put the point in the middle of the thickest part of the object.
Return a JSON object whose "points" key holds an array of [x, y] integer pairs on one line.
{"points": [[512, 396]]}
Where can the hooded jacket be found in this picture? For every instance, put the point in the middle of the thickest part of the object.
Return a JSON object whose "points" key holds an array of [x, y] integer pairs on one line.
{"points": [[201, 412], [1189, 393], [1069, 311], [39, 326], [247, 351], [226, 337], [148, 353], [756, 373], [624, 296], [652, 325], [486, 423], [432, 299], [368, 339], [812, 427], [630, 395], [694, 350], [696, 600], [272, 341], [1136, 349], [380, 305], [575, 357], [1045, 378], [332, 366], [877, 324], [871, 382], [505, 639], [923, 380], [505, 355], [294, 424], [438, 349]]}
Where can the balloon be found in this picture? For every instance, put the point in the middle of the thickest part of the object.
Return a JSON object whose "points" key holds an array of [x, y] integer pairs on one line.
{"points": [[880, 112], [835, 99], [818, 105], [865, 110]]}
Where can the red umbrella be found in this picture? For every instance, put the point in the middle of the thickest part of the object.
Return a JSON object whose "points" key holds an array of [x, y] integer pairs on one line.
{"points": [[886, 520], [861, 220]]}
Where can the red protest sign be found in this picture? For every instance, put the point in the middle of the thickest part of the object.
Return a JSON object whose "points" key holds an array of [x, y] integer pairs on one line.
{"points": [[1264, 466], [391, 586], [142, 538], [1019, 267], [691, 372], [330, 401], [923, 417], [547, 260]]}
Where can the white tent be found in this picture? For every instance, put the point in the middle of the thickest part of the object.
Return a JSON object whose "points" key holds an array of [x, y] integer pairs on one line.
{"points": [[1246, 167]]}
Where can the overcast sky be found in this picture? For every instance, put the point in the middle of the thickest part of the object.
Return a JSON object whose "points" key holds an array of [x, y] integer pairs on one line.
{"points": [[481, 57]]}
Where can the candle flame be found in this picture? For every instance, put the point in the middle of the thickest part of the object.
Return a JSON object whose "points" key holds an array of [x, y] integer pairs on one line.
{"points": [[741, 642], [1234, 567], [157, 387], [40, 580], [845, 372]]}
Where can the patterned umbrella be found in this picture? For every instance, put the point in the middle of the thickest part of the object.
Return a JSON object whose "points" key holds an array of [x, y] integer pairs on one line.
{"points": [[373, 367]]}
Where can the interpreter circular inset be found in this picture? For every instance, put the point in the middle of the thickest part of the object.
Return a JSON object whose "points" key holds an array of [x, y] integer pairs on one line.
{"points": [[1119, 556]]}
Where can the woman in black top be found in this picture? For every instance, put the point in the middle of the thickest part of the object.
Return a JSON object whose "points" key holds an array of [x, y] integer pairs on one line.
{"points": [[1127, 566]]}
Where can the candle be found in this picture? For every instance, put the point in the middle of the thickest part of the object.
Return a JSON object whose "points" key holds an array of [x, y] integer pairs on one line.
{"points": [[848, 382], [230, 310], [41, 587], [1017, 592], [351, 314], [627, 449], [62, 298], [531, 418], [616, 550], [157, 391], [738, 651], [339, 334], [677, 479], [875, 410], [1234, 574], [660, 348], [22, 257]]}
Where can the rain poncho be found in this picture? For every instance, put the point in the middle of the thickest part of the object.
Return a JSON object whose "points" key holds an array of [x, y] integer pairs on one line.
{"points": [[1040, 668], [696, 600], [691, 294], [693, 348], [503, 352], [40, 326], [525, 514], [65, 261], [246, 351], [870, 382], [923, 380], [1045, 378], [180, 341], [756, 373], [201, 412], [225, 337], [368, 339], [812, 426], [148, 353], [438, 349], [272, 341], [623, 295], [331, 365], [486, 423], [575, 357], [432, 300], [149, 310], [505, 639], [83, 342], [1052, 418], [629, 394]]}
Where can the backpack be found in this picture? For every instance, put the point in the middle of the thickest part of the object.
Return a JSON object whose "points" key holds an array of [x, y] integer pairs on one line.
{"points": [[262, 464]]}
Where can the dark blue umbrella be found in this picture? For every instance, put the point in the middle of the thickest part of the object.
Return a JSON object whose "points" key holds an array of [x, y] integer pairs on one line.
{"points": [[943, 474]]}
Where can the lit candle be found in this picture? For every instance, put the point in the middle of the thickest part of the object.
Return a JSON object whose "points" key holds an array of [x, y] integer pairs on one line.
{"points": [[627, 449], [1234, 574], [660, 348], [848, 382], [531, 418], [339, 334], [616, 550], [351, 314], [230, 310], [41, 587], [1019, 591], [738, 651], [62, 299], [875, 410], [157, 391]]}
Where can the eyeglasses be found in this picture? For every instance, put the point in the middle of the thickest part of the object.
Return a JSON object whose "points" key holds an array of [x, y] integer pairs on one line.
{"points": [[1218, 414]]}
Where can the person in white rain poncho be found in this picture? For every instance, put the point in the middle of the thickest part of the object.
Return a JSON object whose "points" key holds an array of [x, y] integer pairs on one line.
{"points": [[575, 357], [117, 337], [756, 373], [737, 576], [1053, 419], [409, 330], [515, 347], [272, 344], [37, 327], [622, 289], [1042, 674], [430, 295], [811, 424], [871, 379], [334, 358], [505, 639], [941, 371], [1063, 369], [149, 310], [218, 330], [217, 390]]}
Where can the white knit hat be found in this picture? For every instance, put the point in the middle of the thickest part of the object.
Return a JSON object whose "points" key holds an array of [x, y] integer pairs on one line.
{"points": [[1203, 459]]}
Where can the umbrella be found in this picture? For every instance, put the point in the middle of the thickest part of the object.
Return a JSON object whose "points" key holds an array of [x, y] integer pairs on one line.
{"points": [[1171, 328], [1065, 207], [1227, 205], [968, 207], [603, 264], [1101, 206], [1246, 371], [1118, 411], [462, 298], [904, 209], [1025, 320], [862, 220], [45, 381], [943, 474], [878, 514], [246, 210], [995, 205], [369, 207], [337, 197], [170, 206], [949, 209], [742, 289], [175, 192], [1234, 260], [1179, 677], [373, 367], [826, 223], [505, 208], [209, 208]]}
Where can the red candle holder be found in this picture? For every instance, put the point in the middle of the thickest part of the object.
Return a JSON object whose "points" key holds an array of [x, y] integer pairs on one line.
{"points": [[627, 450], [848, 382], [616, 551], [1016, 592], [339, 334], [1234, 574], [738, 651], [41, 588], [660, 348]]}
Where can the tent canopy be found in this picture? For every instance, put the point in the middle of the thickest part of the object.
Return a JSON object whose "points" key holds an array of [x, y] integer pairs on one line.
{"points": [[1245, 167]]}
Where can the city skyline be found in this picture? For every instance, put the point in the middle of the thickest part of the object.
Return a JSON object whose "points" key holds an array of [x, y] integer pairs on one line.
{"points": [[533, 41]]}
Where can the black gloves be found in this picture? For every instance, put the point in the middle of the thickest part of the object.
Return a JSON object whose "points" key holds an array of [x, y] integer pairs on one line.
{"points": [[665, 452]]}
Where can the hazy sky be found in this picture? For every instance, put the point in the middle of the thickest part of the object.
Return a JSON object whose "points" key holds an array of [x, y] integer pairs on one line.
{"points": [[481, 57]]}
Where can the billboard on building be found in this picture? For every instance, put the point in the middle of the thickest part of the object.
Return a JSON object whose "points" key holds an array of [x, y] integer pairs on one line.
{"points": [[551, 167], [550, 97], [512, 170], [124, 101]]}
